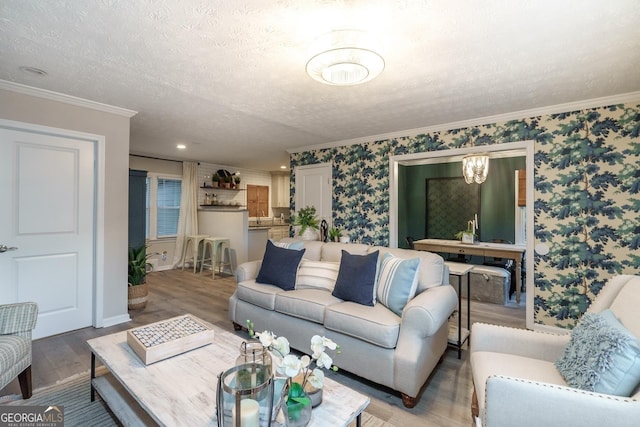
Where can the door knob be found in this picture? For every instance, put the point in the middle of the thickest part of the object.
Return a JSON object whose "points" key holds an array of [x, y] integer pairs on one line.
{"points": [[5, 248]]}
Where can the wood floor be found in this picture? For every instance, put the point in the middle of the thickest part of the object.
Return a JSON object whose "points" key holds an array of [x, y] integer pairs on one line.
{"points": [[445, 400]]}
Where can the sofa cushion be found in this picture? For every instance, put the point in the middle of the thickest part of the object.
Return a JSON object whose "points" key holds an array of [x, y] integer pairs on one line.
{"points": [[295, 245], [317, 275], [332, 251], [602, 356], [258, 294], [377, 325], [279, 266], [356, 278], [308, 304], [397, 281], [489, 363], [431, 271]]}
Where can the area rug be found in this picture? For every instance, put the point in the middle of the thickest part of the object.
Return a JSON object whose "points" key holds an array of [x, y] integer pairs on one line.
{"points": [[74, 394]]}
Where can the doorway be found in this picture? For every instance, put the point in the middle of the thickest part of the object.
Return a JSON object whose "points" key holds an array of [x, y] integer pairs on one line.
{"points": [[314, 188], [48, 215]]}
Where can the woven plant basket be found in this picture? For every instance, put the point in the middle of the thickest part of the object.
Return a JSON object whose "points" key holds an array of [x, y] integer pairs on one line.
{"points": [[138, 296]]}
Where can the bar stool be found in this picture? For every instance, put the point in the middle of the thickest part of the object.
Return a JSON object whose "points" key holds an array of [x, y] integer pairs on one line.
{"points": [[193, 241], [216, 246]]}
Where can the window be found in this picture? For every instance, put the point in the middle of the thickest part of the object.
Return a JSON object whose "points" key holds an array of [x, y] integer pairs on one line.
{"points": [[163, 205]]}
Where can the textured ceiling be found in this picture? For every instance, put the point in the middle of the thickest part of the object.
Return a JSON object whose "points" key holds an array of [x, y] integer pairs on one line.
{"points": [[227, 77]]}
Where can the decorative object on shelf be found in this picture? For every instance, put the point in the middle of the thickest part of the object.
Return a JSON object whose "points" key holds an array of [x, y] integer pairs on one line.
{"points": [[236, 179], [301, 379], [245, 396], [308, 223], [138, 267], [215, 180], [324, 231], [335, 234], [475, 168], [469, 235], [227, 182], [345, 57]]}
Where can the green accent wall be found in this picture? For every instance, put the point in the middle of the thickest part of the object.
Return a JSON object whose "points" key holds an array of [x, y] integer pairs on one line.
{"points": [[497, 212]]}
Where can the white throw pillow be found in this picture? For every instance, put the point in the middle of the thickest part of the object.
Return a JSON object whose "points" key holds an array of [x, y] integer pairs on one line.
{"points": [[317, 275]]}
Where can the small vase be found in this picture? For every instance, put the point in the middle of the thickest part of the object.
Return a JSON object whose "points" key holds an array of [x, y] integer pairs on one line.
{"points": [[296, 415]]}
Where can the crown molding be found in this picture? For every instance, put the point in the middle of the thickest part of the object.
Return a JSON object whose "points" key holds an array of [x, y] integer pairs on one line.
{"points": [[499, 118], [67, 99]]}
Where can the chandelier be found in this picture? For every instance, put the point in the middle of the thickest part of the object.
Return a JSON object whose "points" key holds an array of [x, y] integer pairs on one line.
{"points": [[345, 58], [475, 168]]}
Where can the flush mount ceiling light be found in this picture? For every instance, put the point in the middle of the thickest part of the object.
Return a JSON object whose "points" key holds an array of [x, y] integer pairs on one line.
{"points": [[475, 168], [33, 71], [345, 58]]}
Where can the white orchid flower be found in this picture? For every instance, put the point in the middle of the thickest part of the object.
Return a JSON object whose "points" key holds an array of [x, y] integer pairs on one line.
{"points": [[281, 345], [316, 379], [324, 361], [305, 361], [266, 338], [290, 366]]}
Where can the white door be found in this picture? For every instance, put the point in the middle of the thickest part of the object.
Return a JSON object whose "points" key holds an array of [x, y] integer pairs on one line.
{"points": [[47, 222], [313, 188]]}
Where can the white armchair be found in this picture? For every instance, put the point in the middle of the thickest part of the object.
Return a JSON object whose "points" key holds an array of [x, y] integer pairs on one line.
{"points": [[516, 381]]}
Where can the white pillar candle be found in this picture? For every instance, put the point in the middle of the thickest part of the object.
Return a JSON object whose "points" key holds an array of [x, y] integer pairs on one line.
{"points": [[249, 413]]}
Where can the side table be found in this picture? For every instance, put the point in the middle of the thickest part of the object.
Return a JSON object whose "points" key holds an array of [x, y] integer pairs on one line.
{"points": [[459, 269]]}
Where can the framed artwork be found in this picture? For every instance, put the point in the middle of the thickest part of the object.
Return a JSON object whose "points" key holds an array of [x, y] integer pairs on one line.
{"points": [[451, 203]]}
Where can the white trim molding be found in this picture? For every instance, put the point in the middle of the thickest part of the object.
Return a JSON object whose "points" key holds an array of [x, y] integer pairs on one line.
{"points": [[499, 118], [67, 99]]}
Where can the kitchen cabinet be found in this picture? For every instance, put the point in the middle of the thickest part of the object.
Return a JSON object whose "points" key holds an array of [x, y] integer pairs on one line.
{"points": [[258, 200], [280, 189]]}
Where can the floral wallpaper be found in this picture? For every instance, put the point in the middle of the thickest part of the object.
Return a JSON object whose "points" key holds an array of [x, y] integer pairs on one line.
{"points": [[586, 202]]}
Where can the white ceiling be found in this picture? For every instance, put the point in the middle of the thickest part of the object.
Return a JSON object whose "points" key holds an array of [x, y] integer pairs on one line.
{"points": [[227, 77]]}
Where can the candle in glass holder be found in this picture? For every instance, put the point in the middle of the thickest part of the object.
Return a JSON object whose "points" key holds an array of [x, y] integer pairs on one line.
{"points": [[249, 413]]}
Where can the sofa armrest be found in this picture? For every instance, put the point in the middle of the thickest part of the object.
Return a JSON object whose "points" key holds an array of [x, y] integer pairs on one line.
{"points": [[511, 401], [426, 313], [18, 318], [248, 270], [520, 342]]}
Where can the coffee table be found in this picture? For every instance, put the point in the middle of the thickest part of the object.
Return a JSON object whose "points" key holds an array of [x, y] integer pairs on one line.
{"points": [[181, 390]]}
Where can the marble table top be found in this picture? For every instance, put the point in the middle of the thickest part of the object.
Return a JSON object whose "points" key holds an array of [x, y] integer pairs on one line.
{"points": [[181, 390]]}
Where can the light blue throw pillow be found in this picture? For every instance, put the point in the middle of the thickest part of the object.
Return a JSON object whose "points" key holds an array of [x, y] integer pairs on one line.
{"points": [[397, 282], [602, 356], [288, 245]]}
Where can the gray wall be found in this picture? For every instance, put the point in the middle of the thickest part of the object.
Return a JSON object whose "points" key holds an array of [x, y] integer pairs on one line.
{"points": [[115, 129]]}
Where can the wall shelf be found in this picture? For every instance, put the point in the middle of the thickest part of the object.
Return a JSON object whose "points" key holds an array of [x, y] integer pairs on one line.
{"points": [[208, 187]]}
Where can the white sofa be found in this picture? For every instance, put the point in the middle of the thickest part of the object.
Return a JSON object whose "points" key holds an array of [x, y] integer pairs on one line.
{"points": [[517, 383], [397, 352]]}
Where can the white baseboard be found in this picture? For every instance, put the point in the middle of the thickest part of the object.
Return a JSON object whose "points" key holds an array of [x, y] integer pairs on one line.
{"points": [[116, 320]]}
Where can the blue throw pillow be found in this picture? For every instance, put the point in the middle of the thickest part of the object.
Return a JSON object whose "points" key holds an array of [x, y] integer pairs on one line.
{"points": [[357, 278], [602, 356], [279, 267], [397, 281]]}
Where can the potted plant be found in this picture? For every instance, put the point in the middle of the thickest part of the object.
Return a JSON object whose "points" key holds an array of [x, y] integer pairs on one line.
{"points": [[139, 266], [335, 234], [236, 180], [215, 180], [227, 182], [468, 235], [308, 223]]}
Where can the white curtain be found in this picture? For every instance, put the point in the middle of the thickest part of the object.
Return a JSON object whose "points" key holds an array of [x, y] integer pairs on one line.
{"points": [[188, 220]]}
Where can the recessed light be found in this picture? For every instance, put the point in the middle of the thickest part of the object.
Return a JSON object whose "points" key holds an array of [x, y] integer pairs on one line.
{"points": [[283, 167], [181, 146], [33, 71]]}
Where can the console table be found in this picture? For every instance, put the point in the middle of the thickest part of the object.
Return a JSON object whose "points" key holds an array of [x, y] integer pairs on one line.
{"points": [[497, 250], [460, 270]]}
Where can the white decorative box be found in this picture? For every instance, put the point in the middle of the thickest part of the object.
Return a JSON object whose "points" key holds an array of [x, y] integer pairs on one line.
{"points": [[167, 338]]}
